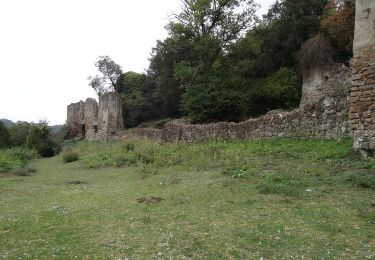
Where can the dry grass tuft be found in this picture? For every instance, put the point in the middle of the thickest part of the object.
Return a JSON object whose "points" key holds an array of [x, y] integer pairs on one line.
{"points": [[315, 54]]}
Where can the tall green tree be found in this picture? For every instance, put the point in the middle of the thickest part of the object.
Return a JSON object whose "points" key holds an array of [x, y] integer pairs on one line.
{"points": [[18, 133], [208, 28], [212, 26], [338, 26], [4, 136], [276, 41], [38, 138], [168, 90], [106, 81], [138, 103]]}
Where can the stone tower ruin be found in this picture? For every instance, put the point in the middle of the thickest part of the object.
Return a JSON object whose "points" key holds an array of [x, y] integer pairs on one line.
{"points": [[362, 97], [93, 121], [110, 114], [75, 118]]}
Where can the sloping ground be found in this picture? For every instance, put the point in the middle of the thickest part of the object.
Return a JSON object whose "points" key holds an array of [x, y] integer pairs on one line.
{"points": [[274, 199]]}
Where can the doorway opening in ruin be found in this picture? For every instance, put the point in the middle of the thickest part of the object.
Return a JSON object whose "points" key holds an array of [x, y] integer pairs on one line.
{"points": [[83, 130]]}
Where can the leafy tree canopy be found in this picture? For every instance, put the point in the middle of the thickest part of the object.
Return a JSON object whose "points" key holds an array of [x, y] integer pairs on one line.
{"points": [[18, 133], [338, 26], [110, 71], [4, 136], [137, 90]]}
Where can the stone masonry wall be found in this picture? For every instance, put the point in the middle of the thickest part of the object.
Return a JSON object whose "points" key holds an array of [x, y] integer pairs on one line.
{"points": [[91, 118], [362, 98], [110, 114], [362, 109], [310, 92], [75, 118], [95, 122], [327, 118]]}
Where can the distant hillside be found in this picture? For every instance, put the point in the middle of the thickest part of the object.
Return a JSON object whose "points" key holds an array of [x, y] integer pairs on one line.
{"points": [[7, 122], [56, 128]]}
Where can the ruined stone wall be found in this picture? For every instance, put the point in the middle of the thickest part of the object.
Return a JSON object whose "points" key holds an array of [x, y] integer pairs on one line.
{"points": [[75, 118], [91, 118], [320, 85], [310, 91], [327, 118], [110, 114], [362, 98], [95, 122]]}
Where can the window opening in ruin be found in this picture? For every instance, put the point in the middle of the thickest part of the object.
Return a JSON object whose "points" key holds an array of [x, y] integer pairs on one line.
{"points": [[95, 129], [83, 130]]}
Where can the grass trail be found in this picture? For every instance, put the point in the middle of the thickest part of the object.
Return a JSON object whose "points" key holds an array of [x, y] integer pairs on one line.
{"points": [[278, 199]]}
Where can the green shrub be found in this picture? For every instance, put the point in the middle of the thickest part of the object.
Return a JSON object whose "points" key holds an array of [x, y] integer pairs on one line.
{"points": [[24, 171], [129, 147], [70, 156], [4, 136], [15, 158], [38, 138], [206, 103], [364, 180], [237, 172], [282, 184], [281, 90]]}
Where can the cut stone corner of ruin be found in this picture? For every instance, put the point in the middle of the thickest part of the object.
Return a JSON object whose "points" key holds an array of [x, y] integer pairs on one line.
{"points": [[362, 96], [93, 120]]}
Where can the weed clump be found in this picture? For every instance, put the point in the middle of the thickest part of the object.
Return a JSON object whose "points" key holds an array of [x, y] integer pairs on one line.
{"points": [[24, 171], [129, 147], [16, 158], [364, 180], [281, 184], [237, 172], [70, 156]]}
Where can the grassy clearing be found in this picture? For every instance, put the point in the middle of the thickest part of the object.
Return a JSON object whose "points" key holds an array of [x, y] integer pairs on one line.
{"points": [[140, 199]]}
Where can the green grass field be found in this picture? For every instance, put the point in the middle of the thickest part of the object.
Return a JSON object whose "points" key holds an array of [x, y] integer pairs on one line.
{"points": [[239, 200]]}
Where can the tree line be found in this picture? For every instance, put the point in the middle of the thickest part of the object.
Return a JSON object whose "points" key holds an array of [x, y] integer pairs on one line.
{"points": [[222, 63], [33, 136]]}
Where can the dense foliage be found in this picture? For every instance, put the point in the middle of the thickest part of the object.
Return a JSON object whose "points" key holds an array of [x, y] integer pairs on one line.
{"points": [[38, 139], [109, 72], [32, 136], [338, 26], [4, 136], [220, 62], [19, 132], [15, 158], [137, 90]]}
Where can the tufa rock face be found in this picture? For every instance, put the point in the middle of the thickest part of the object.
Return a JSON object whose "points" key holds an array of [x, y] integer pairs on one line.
{"points": [[362, 97], [95, 122]]}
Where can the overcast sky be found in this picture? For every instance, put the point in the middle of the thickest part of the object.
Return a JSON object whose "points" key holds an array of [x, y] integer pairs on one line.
{"points": [[48, 49]]}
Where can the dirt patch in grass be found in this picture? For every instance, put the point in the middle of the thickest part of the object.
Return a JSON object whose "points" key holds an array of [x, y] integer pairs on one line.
{"points": [[5, 174], [150, 200], [76, 182]]}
